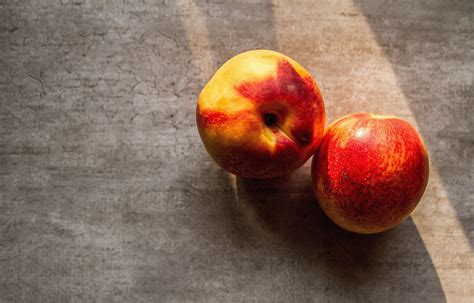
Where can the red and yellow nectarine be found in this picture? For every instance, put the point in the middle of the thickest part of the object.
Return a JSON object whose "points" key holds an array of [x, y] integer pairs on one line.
{"points": [[261, 115], [370, 172]]}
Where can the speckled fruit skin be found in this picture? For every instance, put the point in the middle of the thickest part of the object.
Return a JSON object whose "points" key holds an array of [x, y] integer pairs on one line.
{"points": [[232, 106], [370, 172]]}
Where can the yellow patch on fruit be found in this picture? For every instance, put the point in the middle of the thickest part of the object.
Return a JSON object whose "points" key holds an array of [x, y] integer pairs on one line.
{"points": [[338, 133], [220, 93]]}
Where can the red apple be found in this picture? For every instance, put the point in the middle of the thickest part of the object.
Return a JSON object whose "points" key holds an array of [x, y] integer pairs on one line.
{"points": [[370, 172], [261, 115]]}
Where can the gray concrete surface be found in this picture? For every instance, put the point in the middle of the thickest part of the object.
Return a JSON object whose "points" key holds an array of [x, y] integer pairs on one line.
{"points": [[107, 194]]}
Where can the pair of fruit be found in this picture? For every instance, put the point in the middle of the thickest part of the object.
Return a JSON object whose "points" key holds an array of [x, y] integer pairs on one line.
{"points": [[262, 115]]}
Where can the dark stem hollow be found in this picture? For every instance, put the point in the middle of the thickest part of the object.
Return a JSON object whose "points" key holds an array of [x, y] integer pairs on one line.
{"points": [[270, 119]]}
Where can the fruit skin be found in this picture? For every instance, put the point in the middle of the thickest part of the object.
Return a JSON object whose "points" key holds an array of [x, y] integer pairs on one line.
{"points": [[370, 172], [231, 108]]}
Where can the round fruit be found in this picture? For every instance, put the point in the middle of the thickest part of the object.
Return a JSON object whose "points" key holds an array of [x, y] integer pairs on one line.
{"points": [[261, 115], [370, 172]]}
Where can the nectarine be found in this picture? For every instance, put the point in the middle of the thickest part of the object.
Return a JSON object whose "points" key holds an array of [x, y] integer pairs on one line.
{"points": [[261, 115], [370, 172]]}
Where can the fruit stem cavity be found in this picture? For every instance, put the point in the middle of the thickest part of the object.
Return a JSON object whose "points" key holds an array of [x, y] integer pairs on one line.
{"points": [[270, 119]]}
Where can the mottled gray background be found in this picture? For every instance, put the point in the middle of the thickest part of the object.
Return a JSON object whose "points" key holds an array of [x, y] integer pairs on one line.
{"points": [[108, 195]]}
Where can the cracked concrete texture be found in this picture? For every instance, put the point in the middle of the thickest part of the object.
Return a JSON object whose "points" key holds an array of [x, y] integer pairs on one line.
{"points": [[107, 193]]}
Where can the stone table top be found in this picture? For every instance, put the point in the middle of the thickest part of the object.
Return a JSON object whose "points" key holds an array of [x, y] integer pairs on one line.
{"points": [[108, 195]]}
